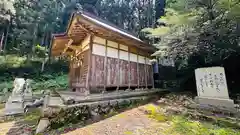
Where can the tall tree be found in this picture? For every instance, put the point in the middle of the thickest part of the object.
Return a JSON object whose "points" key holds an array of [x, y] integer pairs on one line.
{"points": [[208, 28]]}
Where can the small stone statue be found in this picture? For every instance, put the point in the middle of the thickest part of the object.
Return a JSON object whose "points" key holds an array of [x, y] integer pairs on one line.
{"points": [[18, 86], [28, 90], [15, 102]]}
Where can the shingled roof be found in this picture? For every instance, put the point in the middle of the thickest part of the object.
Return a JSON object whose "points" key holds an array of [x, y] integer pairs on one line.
{"points": [[95, 24]]}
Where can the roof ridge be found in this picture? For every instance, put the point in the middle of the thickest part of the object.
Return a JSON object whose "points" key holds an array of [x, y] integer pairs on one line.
{"points": [[109, 23]]}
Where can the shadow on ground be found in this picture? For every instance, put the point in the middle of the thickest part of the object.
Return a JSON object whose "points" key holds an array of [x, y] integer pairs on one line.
{"points": [[21, 127]]}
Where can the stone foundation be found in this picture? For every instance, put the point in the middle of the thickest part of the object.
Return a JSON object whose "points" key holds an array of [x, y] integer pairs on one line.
{"points": [[217, 102]]}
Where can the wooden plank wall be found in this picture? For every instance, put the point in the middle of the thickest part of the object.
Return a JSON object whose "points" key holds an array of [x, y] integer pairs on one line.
{"points": [[79, 73], [117, 65], [98, 56], [79, 70]]}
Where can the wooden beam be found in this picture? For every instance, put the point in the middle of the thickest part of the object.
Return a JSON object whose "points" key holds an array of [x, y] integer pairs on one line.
{"points": [[105, 67], [83, 27]]}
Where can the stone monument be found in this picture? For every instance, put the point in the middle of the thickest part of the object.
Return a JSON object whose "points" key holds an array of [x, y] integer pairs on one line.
{"points": [[212, 87], [15, 102]]}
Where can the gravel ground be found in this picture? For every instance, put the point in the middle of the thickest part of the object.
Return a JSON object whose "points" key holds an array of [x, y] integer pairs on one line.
{"points": [[131, 122]]}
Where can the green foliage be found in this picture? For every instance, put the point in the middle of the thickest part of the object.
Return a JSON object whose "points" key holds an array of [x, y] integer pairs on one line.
{"points": [[33, 22], [41, 51], [60, 82], [207, 28], [11, 61], [54, 76], [8, 85], [7, 8]]}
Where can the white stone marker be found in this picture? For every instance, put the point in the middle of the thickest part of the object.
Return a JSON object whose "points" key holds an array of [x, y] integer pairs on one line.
{"points": [[212, 87], [15, 102]]}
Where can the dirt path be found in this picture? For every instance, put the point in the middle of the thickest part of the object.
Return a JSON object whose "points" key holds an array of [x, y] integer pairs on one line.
{"points": [[15, 127], [131, 122], [5, 127]]}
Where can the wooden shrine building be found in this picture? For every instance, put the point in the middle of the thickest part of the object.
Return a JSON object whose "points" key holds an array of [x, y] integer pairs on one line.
{"points": [[103, 56]]}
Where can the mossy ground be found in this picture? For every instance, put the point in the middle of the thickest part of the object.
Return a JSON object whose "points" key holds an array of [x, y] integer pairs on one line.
{"points": [[182, 125]]}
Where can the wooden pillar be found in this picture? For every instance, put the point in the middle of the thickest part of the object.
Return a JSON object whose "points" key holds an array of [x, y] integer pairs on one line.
{"points": [[70, 75], [89, 63], [105, 67], [138, 69], [145, 70], [118, 68], [159, 69], [129, 69], [153, 86]]}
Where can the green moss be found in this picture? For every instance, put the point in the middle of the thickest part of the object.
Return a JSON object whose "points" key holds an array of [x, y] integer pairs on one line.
{"points": [[159, 117], [33, 116], [154, 113], [183, 126], [223, 122]]}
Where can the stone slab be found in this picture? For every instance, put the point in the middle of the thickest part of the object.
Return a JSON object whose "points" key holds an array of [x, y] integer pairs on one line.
{"points": [[211, 82], [13, 108], [217, 102]]}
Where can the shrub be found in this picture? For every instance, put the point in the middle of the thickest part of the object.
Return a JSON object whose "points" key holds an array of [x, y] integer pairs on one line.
{"points": [[12, 66]]}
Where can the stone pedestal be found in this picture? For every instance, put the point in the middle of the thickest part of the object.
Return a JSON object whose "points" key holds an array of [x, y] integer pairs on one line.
{"points": [[218, 102], [14, 105]]}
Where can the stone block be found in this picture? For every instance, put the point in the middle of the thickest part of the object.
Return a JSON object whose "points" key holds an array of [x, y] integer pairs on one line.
{"points": [[13, 108], [42, 125], [217, 102]]}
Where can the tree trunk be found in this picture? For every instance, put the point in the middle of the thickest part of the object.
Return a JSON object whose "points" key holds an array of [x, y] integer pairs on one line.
{"points": [[5, 43], [210, 11], [139, 17], [34, 39], [1, 42], [49, 48]]}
